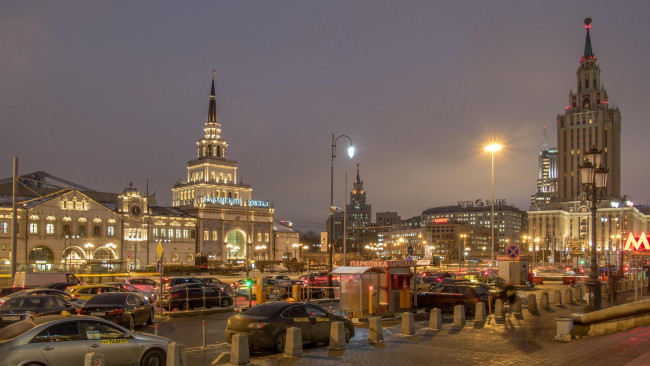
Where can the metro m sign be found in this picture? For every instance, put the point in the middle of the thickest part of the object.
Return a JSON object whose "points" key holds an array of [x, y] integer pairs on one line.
{"points": [[639, 244]]}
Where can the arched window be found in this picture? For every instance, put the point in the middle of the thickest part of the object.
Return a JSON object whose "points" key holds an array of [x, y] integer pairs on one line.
{"points": [[209, 150], [174, 257], [41, 254], [585, 103]]}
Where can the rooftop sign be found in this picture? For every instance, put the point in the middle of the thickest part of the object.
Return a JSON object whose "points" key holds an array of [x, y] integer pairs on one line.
{"points": [[234, 201]]}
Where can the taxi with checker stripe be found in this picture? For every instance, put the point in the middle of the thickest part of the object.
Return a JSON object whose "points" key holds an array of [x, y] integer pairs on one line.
{"points": [[64, 340], [266, 324]]}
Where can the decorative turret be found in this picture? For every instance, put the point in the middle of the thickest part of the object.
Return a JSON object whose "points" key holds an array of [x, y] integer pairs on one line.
{"points": [[211, 145], [589, 53]]}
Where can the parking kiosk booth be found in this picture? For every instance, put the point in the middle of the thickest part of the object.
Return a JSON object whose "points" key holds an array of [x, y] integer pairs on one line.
{"points": [[513, 271], [358, 289], [394, 281]]}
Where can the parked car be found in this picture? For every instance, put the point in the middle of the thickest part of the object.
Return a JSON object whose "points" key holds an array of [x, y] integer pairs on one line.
{"points": [[266, 324], [445, 297], [279, 278], [88, 291], [21, 307], [61, 285], [284, 290], [65, 340], [125, 308], [193, 295], [149, 296], [40, 279], [168, 282], [318, 279], [215, 282], [75, 302], [141, 283]]}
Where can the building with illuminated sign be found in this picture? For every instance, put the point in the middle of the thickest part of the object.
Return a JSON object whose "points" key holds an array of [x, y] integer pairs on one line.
{"points": [[232, 226], [510, 222]]}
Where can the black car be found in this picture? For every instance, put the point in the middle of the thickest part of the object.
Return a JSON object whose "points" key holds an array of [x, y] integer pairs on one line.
{"points": [[169, 282], [75, 302], [22, 307], [446, 297], [125, 308], [61, 285], [194, 295], [266, 324]]}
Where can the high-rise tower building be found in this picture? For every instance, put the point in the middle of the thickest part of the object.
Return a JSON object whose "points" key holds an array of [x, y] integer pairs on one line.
{"points": [[359, 213], [588, 121], [547, 177]]}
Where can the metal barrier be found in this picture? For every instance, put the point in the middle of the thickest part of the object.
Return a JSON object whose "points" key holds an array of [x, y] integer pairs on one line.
{"points": [[189, 302]]}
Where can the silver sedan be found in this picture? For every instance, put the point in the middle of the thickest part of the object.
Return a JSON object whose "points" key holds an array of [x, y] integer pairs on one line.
{"points": [[65, 339]]}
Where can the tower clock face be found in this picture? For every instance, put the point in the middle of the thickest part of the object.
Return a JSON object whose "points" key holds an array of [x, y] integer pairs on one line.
{"points": [[135, 211]]}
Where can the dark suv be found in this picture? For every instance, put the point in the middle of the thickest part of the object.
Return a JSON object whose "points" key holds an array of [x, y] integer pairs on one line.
{"points": [[194, 295], [169, 282], [445, 297]]}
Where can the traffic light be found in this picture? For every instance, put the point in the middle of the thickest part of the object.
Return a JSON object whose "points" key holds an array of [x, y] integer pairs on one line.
{"points": [[249, 282]]}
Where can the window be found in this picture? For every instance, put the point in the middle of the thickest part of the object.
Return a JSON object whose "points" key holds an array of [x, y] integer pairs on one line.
{"points": [[189, 257], [82, 230], [170, 232], [155, 232], [175, 257], [110, 231], [97, 330], [59, 333], [206, 235], [259, 237], [295, 312], [178, 233], [214, 235], [315, 312], [193, 234], [266, 237], [97, 230], [33, 228], [185, 233], [3, 227], [49, 229]]}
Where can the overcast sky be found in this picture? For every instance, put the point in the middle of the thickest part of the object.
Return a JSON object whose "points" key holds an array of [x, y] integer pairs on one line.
{"points": [[102, 93]]}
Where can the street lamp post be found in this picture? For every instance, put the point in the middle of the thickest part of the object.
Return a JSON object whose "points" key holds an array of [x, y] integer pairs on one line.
{"points": [[535, 248], [594, 181], [295, 249], [228, 249], [492, 148], [89, 247], [330, 239], [110, 247], [464, 236]]}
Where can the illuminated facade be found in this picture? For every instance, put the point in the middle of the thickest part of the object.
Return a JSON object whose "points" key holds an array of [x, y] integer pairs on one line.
{"points": [[547, 189], [231, 224]]}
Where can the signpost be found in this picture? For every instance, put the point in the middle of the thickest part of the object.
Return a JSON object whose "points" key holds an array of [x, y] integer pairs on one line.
{"points": [[512, 251], [159, 268]]}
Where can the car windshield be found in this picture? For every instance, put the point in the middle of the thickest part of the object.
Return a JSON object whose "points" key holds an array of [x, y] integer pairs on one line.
{"points": [[23, 303], [105, 300], [15, 330]]}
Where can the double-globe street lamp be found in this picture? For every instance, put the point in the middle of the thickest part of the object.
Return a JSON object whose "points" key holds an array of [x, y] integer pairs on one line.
{"points": [[329, 239], [594, 182], [492, 148]]}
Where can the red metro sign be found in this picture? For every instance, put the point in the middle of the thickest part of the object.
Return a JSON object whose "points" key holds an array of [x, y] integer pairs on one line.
{"points": [[637, 244]]}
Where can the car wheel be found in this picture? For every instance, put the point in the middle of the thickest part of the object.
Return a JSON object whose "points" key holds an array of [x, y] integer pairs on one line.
{"points": [[153, 358], [185, 306], [151, 315], [348, 334], [131, 324], [280, 341], [225, 303]]}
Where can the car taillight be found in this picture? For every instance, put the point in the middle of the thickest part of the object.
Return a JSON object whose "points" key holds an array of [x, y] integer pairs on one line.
{"points": [[33, 314], [175, 295], [82, 312], [256, 325], [115, 312], [476, 299]]}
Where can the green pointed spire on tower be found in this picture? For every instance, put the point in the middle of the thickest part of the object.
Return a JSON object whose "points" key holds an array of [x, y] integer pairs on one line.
{"points": [[589, 52]]}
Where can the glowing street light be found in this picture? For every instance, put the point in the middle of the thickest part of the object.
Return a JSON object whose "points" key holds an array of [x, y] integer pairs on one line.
{"points": [[492, 148]]}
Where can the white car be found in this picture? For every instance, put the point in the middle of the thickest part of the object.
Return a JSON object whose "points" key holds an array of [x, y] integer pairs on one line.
{"points": [[141, 283]]}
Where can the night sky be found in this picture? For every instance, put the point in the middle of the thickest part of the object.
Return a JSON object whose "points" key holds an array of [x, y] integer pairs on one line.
{"points": [[102, 93]]}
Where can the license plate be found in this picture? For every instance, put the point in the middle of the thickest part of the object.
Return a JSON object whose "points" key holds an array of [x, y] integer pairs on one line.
{"points": [[97, 313], [11, 318]]}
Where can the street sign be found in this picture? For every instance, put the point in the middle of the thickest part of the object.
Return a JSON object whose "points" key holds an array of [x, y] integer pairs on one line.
{"points": [[159, 250], [512, 251], [128, 254], [410, 250], [409, 258], [159, 267]]}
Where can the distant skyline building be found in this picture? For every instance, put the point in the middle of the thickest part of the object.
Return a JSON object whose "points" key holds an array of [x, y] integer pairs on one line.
{"points": [[547, 188], [387, 219], [589, 120]]}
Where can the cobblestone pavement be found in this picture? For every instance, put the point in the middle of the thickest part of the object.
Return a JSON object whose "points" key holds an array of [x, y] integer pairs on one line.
{"points": [[517, 340]]}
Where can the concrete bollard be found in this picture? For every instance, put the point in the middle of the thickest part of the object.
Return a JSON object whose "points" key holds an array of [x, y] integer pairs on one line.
{"points": [[516, 306], [479, 312], [176, 354], [544, 303], [94, 359], [499, 309], [568, 296], [532, 303], [293, 345], [576, 294], [435, 319], [459, 315], [408, 324], [557, 297], [375, 330], [239, 352], [155, 329], [582, 292], [337, 335], [564, 328]]}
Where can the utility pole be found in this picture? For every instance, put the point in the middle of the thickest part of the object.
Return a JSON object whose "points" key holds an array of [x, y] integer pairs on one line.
{"points": [[14, 221]]}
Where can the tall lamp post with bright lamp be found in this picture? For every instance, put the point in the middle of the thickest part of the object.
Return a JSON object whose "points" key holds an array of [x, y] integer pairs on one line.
{"points": [[492, 148], [594, 182], [329, 237]]}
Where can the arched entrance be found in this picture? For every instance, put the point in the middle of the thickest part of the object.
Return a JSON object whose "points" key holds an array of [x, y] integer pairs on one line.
{"points": [[72, 257], [105, 255], [41, 258], [236, 245]]}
